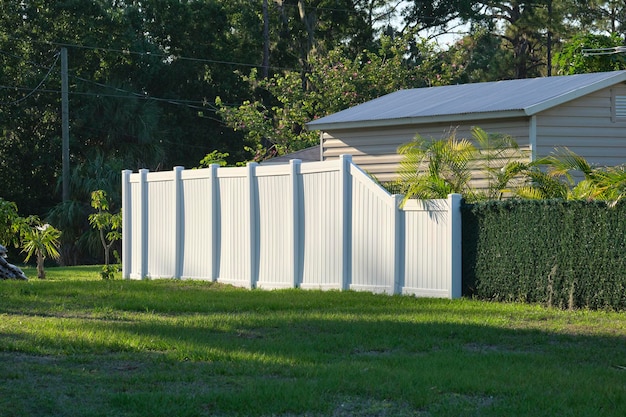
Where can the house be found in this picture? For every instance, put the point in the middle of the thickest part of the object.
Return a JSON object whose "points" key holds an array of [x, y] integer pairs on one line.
{"points": [[585, 112]]}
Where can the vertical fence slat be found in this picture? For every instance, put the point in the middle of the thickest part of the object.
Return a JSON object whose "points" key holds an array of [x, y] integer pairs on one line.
{"points": [[214, 237], [143, 226], [399, 246], [454, 251], [253, 229], [345, 214], [178, 227], [296, 213], [127, 236]]}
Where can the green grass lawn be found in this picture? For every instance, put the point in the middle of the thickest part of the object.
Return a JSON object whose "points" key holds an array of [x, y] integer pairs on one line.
{"points": [[75, 345]]}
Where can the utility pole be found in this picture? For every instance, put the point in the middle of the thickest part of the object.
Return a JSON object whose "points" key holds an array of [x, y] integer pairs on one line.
{"points": [[65, 126], [550, 38], [266, 42]]}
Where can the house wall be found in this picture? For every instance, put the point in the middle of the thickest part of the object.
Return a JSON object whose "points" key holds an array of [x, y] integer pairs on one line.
{"points": [[586, 126], [375, 149]]}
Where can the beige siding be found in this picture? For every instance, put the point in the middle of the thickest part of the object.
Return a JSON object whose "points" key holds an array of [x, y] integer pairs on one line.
{"points": [[375, 149], [585, 126]]}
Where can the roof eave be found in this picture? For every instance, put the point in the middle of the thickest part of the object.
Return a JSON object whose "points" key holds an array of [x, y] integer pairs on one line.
{"points": [[416, 120], [578, 93]]}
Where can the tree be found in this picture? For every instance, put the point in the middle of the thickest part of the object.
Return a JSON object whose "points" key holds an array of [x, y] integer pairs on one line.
{"points": [[8, 216], [604, 17], [481, 56], [109, 225], [565, 174], [336, 81], [571, 59], [427, 14], [41, 240], [435, 168], [525, 25]]}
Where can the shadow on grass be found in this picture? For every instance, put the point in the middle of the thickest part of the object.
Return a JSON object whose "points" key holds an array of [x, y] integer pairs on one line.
{"points": [[303, 362]]}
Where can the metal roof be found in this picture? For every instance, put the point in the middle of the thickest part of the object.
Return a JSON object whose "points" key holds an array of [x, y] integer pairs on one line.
{"points": [[312, 154], [512, 98]]}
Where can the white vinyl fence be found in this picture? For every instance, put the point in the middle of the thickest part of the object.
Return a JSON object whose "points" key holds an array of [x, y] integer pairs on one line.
{"points": [[322, 225]]}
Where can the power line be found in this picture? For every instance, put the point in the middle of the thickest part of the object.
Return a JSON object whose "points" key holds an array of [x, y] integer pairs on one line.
{"points": [[193, 104], [10, 103], [171, 57], [146, 96]]}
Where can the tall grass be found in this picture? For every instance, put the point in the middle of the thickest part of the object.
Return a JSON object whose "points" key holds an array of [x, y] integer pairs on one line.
{"points": [[88, 347]]}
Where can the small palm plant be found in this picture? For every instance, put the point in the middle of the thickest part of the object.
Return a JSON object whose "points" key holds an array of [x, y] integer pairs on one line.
{"points": [[564, 174], [41, 240], [436, 168]]}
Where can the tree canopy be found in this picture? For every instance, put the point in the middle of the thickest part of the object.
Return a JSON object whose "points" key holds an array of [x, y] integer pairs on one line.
{"points": [[159, 83]]}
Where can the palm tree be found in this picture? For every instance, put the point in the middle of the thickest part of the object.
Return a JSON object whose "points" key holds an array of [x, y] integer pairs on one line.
{"points": [[567, 175], [436, 168], [39, 239]]}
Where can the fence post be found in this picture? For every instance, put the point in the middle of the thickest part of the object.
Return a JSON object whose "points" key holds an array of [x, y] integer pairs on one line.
{"points": [[126, 224], [398, 249], [214, 238], [253, 209], [454, 250], [143, 225], [296, 214], [346, 221], [178, 221]]}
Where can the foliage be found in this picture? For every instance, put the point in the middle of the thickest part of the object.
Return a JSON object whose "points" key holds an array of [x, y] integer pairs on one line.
{"points": [[571, 60], [109, 225], [39, 239], [564, 174], [80, 242], [214, 157], [435, 168], [8, 216], [481, 56], [144, 77], [109, 271], [555, 252], [275, 123]]}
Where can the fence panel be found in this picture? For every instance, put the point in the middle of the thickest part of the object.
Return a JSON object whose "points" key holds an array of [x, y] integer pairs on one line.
{"points": [[430, 264], [276, 226], [234, 228], [323, 225], [373, 236], [161, 237], [198, 228], [322, 261]]}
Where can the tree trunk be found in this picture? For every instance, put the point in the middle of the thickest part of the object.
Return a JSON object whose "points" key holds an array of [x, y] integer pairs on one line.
{"points": [[41, 274]]}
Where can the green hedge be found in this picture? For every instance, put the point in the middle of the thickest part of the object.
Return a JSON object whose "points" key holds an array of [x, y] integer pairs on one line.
{"points": [[568, 254]]}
